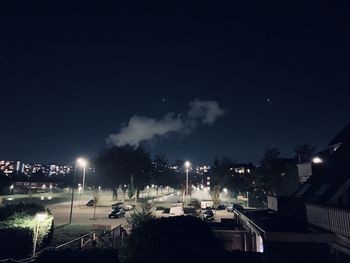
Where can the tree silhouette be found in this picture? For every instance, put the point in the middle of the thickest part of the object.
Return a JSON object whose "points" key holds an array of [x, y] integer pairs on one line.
{"points": [[116, 165], [304, 152]]}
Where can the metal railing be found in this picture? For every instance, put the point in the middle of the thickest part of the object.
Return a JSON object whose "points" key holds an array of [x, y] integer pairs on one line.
{"points": [[332, 219], [111, 238]]}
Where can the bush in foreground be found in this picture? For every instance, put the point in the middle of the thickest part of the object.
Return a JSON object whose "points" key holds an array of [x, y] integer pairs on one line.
{"points": [[17, 226], [173, 239]]}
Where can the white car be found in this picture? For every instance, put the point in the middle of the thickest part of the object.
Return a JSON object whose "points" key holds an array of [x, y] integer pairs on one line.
{"points": [[128, 207]]}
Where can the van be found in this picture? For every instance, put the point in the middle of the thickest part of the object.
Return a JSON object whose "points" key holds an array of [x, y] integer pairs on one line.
{"points": [[207, 204], [176, 210]]}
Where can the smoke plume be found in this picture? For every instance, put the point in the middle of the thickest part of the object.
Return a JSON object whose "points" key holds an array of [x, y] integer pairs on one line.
{"points": [[141, 128]]}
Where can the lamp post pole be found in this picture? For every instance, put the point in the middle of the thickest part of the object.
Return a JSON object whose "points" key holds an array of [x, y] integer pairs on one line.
{"points": [[39, 218], [36, 233], [187, 165], [72, 200], [84, 165], [187, 185]]}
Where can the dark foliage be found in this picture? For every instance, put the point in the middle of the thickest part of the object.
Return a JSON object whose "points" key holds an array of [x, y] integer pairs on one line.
{"points": [[174, 239], [28, 208], [17, 242], [116, 165], [86, 256]]}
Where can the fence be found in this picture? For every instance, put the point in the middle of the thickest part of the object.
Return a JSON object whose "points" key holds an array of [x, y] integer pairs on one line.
{"points": [[329, 218]]}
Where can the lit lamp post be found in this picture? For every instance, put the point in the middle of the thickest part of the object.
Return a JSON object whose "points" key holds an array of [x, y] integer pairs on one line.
{"points": [[187, 166], [82, 162], [79, 192], [39, 218]]}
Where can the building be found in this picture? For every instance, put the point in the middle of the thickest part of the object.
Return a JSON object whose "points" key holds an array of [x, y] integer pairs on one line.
{"points": [[241, 169], [202, 177], [305, 169], [9, 167], [313, 224]]}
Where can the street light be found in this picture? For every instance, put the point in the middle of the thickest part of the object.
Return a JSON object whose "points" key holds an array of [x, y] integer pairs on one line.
{"points": [[39, 218], [82, 162], [317, 160], [187, 166]]}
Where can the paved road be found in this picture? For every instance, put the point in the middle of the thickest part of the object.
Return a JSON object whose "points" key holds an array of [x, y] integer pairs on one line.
{"points": [[83, 215]]}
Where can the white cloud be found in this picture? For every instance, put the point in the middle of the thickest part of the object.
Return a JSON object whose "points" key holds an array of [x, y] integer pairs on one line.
{"points": [[141, 128], [208, 111]]}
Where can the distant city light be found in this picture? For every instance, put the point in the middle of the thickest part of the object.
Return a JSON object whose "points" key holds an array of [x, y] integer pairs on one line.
{"points": [[225, 190], [317, 160]]}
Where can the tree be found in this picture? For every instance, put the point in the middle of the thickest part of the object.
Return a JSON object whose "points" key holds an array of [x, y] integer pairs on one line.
{"points": [[274, 175], [160, 171], [215, 195], [141, 217], [270, 155], [115, 166], [304, 152]]}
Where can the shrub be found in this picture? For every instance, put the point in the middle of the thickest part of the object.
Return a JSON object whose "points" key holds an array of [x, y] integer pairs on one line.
{"points": [[189, 210], [17, 225], [86, 256], [173, 239], [196, 203]]}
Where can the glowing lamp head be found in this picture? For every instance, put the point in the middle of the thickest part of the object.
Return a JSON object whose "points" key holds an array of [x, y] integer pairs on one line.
{"points": [[317, 160], [187, 164], [40, 217], [81, 161]]}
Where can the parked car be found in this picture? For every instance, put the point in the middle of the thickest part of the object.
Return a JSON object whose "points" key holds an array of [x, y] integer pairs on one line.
{"points": [[208, 215], [233, 207], [221, 207], [117, 213], [91, 202]]}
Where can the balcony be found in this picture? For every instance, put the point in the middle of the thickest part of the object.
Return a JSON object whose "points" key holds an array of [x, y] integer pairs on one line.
{"points": [[332, 219]]}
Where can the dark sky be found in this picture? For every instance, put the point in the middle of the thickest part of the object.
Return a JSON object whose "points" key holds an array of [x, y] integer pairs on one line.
{"points": [[72, 73]]}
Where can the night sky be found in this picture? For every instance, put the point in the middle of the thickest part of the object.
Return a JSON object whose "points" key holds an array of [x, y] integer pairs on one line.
{"points": [[72, 74]]}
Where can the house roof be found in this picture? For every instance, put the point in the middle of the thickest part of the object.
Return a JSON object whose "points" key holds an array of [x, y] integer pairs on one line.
{"points": [[271, 221], [327, 177], [342, 136]]}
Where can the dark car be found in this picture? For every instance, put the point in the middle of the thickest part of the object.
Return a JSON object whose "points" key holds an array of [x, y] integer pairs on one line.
{"points": [[90, 202], [221, 207], [116, 213], [235, 206], [208, 215]]}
